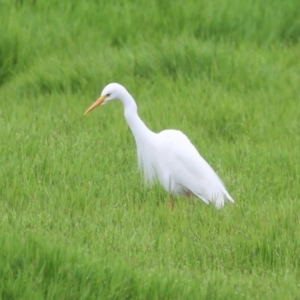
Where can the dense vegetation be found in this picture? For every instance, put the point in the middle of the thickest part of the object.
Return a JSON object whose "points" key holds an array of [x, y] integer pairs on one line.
{"points": [[77, 221]]}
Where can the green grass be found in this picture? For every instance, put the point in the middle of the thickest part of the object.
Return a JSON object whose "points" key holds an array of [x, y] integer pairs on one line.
{"points": [[76, 220]]}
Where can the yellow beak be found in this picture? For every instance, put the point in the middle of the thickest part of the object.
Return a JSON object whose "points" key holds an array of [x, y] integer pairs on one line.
{"points": [[95, 104]]}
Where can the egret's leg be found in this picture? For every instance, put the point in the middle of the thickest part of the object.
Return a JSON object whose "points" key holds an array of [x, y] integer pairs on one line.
{"points": [[189, 195], [172, 202]]}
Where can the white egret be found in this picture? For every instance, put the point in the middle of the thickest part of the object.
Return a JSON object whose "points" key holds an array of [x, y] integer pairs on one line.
{"points": [[168, 155]]}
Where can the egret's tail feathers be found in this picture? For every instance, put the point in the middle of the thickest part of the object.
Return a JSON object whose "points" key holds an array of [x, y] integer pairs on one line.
{"points": [[227, 195], [204, 199], [217, 199], [229, 198]]}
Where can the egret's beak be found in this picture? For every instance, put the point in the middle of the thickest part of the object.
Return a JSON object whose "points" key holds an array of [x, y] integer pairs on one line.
{"points": [[95, 104]]}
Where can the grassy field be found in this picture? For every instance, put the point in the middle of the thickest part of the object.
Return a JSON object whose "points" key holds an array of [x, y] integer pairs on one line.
{"points": [[77, 221]]}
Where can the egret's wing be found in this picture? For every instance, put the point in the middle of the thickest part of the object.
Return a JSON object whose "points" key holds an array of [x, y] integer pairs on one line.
{"points": [[189, 169]]}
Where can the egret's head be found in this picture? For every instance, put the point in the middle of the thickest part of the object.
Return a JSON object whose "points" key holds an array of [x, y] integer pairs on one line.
{"points": [[111, 92]]}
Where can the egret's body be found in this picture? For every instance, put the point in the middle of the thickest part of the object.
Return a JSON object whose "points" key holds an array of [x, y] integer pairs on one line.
{"points": [[168, 156]]}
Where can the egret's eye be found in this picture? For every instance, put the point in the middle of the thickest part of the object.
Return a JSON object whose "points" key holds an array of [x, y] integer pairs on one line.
{"points": [[108, 95]]}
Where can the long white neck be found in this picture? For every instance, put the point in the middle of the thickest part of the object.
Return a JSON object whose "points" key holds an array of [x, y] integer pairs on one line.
{"points": [[138, 128]]}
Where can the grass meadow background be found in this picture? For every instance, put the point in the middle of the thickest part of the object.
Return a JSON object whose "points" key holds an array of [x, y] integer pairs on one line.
{"points": [[76, 220]]}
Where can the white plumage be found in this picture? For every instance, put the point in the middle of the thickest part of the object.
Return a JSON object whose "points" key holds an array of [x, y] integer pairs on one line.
{"points": [[168, 155]]}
